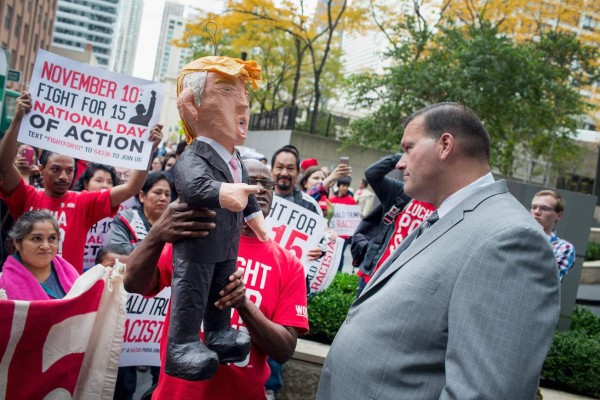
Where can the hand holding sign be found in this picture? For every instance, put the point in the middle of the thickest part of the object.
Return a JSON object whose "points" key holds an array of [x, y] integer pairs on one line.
{"points": [[156, 136], [23, 106]]}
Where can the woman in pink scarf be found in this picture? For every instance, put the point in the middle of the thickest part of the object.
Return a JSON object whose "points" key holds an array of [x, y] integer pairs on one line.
{"points": [[35, 272]]}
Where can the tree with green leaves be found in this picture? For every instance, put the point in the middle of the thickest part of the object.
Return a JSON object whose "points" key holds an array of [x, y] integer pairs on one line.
{"points": [[523, 92]]}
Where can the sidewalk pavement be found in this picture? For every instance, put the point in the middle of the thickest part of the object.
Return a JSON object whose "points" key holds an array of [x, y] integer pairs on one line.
{"points": [[550, 394]]}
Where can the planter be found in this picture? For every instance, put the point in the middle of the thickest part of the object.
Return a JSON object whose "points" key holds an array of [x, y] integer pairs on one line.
{"points": [[590, 274]]}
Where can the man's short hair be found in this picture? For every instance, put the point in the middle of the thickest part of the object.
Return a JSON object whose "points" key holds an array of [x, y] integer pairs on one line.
{"points": [[458, 120], [287, 149], [560, 202]]}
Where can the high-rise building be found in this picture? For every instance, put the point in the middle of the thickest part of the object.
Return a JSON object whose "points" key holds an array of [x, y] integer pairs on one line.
{"points": [[79, 22], [25, 27], [130, 20], [169, 57]]}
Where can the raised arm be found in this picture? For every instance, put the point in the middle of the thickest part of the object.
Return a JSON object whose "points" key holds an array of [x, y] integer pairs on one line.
{"points": [[9, 174], [177, 222], [120, 193], [384, 187]]}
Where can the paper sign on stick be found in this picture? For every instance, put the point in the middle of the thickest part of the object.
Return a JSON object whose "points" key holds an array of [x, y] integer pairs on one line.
{"points": [[91, 113]]}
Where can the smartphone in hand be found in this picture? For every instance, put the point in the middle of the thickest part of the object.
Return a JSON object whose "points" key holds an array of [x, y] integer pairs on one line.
{"points": [[27, 153], [345, 160]]}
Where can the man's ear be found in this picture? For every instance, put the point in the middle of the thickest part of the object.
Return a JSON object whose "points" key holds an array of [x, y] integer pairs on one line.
{"points": [[446, 142], [187, 106]]}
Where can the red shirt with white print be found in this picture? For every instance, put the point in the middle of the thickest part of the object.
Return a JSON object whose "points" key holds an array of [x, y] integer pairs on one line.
{"points": [[275, 282], [406, 221], [76, 213]]}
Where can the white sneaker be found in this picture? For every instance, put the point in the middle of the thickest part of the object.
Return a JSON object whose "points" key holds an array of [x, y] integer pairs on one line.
{"points": [[270, 395]]}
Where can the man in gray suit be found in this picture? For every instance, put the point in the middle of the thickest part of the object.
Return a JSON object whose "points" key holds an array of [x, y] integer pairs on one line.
{"points": [[465, 308]]}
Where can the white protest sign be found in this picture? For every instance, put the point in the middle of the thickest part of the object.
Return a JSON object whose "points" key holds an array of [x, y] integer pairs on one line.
{"points": [[91, 113], [294, 227], [345, 220], [143, 329], [299, 230], [320, 273]]}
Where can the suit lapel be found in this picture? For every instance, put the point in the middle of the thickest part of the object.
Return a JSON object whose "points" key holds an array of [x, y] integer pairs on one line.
{"points": [[442, 227], [205, 151]]}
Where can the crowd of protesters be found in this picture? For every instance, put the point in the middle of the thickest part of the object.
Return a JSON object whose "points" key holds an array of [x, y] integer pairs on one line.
{"points": [[43, 252]]}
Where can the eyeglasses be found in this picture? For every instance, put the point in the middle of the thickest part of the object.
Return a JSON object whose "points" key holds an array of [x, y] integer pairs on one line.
{"points": [[266, 183], [541, 208]]}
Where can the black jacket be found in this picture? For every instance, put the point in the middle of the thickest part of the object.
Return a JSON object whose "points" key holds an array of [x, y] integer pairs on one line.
{"points": [[374, 232], [199, 172]]}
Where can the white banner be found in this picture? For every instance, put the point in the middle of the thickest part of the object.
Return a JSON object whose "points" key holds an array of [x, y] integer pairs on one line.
{"points": [[91, 113], [144, 329], [345, 219]]}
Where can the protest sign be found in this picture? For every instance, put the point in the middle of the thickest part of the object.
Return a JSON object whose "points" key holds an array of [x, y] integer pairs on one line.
{"points": [[91, 113], [320, 272], [98, 234], [299, 230], [294, 227], [144, 328], [65, 348], [345, 219]]}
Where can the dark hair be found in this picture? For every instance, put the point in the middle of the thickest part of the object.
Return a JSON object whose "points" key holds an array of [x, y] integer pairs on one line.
{"points": [[46, 155], [309, 171], [344, 180], [458, 120], [89, 172], [180, 147], [123, 249], [166, 158], [25, 223], [287, 149], [151, 180]]}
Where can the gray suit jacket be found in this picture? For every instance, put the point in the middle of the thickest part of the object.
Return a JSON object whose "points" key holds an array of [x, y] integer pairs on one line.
{"points": [[466, 312]]}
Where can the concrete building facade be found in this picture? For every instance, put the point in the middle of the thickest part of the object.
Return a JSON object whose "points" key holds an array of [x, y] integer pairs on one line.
{"points": [[81, 22], [129, 22], [25, 27]]}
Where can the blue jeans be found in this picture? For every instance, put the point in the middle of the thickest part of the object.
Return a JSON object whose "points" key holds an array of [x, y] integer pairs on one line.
{"points": [[275, 381]]}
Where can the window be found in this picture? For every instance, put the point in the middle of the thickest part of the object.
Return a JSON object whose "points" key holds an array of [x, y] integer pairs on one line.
{"points": [[18, 26], [26, 33], [587, 23], [8, 17]]}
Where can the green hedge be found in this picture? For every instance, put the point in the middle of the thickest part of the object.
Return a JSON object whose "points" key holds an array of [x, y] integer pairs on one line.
{"points": [[327, 310], [592, 252], [573, 362]]}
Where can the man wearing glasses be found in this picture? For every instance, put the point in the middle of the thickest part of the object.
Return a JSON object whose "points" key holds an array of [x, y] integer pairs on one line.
{"points": [[547, 208]]}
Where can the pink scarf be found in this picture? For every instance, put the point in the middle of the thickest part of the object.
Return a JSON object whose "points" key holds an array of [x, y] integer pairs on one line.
{"points": [[20, 284]]}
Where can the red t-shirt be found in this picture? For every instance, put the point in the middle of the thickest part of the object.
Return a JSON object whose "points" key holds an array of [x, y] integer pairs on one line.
{"points": [[347, 199], [76, 213], [406, 221], [275, 282]]}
